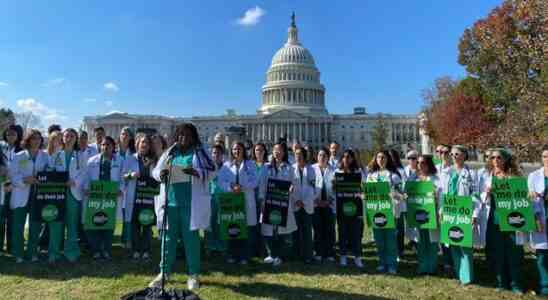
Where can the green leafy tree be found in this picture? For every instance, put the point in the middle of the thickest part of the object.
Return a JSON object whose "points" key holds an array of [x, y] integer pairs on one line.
{"points": [[379, 134]]}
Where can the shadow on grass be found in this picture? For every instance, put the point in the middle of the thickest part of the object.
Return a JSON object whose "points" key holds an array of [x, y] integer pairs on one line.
{"points": [[283, 292]]}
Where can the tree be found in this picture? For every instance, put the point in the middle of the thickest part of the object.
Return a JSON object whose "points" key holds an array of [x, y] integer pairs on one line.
{"points": [[379, 134], [7, 118], [507, 53], [28, 120], [462, 118]]}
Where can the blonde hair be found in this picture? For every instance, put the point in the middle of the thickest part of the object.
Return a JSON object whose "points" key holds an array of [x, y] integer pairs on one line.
{"points": [[52, 136]]}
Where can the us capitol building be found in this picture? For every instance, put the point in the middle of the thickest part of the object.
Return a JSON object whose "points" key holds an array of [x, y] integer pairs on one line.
{"points": [[293, 107]]}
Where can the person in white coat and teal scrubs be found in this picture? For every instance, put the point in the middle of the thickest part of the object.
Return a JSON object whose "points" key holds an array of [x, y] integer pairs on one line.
{"points": [[506, 247], [324, 209], [259, 155], [105, 166], [382, 169], [188, 169], [238, 175], [538, 191], [22, 172], [278, 239], [70, 160], [460, 180], [304, 194], [130, 169], [427, 239]]}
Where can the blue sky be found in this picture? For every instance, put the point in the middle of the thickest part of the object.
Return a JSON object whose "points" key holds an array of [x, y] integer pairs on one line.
{"points": [[67, 59]]}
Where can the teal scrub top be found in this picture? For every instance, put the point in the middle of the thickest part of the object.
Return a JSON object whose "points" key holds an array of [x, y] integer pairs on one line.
{"points": [[181, 193]]}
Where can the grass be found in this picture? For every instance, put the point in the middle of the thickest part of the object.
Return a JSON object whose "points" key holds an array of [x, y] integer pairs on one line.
{"points": [[293, 280]]}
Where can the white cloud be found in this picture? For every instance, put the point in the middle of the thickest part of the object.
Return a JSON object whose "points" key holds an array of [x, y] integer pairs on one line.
{"points": [[111, 87], [109, 103], [49, 114], [90, 100], [53, 82], [251, 16], [3, 84]]}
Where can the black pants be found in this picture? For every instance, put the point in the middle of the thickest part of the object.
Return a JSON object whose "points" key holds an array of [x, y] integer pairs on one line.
{"points": [[350, 235], [140, 236], [324, 232], [400, 233]]}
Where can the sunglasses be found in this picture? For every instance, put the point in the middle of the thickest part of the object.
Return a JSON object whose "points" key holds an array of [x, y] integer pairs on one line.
{"points": [[412, 158]]}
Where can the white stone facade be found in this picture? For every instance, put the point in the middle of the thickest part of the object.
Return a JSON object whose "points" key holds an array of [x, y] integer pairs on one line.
{"points": [[293, 107]]}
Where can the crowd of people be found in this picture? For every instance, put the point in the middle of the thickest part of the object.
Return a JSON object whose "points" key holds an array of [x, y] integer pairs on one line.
{"points": [[192, 174]]}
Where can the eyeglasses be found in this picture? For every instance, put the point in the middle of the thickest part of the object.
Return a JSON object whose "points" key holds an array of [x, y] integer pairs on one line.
{"points": [[412, 158]]}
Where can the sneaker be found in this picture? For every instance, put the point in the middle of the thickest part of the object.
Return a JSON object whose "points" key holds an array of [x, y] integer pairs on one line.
{"points": [[277, 261], [136, 255], [192, 283], [268, 260], [97, 256], [34, 259], [331, 259], [106, 256], [392, 271], [358, 262], [381, 269], [343, 261], [145, 256], [318, 258], [157, 282], [243, 262], [19, 260]]}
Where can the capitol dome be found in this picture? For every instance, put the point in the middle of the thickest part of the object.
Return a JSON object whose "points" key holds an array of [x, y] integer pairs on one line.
{"points": [[293, 81]]}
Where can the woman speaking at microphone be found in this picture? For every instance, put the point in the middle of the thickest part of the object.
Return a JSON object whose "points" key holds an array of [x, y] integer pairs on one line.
{"points": [[187, 169]]}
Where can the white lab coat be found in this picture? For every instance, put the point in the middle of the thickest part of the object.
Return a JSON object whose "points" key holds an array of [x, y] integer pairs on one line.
{"points": [[23, 166], [326, 179], [77, 169], [283, 171], [130, 164], [248, 181], [94, 168], [304, 188], [535, 182], [200, 206]]}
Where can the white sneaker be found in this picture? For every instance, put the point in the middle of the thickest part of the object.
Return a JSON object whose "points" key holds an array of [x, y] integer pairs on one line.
{"points": [[268, 260], [157, 282], [381, 269], [192, 283], [145, 256], [19, 260], [277, 261], [317, 258], [331, 259], [343, 261], [34, 259], [358, 262], [392, 271], [136, 255]]}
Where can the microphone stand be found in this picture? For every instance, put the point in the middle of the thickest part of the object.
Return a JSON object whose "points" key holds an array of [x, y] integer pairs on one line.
{"points": [[164, 226]]}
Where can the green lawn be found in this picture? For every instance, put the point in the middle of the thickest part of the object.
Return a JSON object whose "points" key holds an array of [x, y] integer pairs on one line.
{"points": [[110, 280]]}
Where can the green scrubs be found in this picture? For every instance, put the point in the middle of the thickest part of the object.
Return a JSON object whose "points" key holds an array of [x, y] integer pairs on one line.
{"points": [[507, 256], [542, 254], [18, 218], [463, 258], [35, 224], [386, 241], [213, 236], [427, 253], [178, 218]]}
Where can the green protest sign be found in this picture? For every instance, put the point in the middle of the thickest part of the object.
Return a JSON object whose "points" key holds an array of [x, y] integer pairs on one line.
{"points": [[347, 192], [421, 204], [378, 205], [146, 190], [276, 204], [514, 210], [232, 215], [456, 220], [51, 193], [100, 209]]}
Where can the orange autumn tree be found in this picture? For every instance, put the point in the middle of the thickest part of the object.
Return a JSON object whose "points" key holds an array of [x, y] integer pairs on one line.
{"points": [[460, 117]]}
